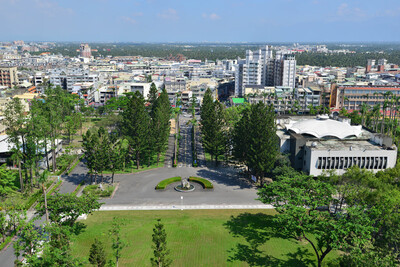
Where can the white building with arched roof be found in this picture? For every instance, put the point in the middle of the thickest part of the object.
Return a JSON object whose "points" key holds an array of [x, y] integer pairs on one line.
{"points": [[318, 144]]}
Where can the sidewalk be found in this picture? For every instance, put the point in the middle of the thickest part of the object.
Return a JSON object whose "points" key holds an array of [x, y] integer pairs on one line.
{"points": [[169, 154], [183, 207]]}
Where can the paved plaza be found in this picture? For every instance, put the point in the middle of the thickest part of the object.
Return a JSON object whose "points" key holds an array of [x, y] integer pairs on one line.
{"points": [[139, 189]]}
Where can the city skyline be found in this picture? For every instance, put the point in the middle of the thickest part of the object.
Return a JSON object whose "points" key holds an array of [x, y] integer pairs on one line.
{"points": [[200, 21]]}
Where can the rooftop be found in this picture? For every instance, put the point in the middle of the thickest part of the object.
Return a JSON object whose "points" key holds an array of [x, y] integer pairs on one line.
{"points": [[321, 127]]}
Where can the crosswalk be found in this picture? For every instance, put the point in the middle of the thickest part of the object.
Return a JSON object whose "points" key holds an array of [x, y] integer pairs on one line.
{"points": [[183, 207], [180, 164]]}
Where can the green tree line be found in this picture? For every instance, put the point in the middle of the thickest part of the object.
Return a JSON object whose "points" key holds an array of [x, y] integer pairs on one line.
{"points": [[140, 136]]}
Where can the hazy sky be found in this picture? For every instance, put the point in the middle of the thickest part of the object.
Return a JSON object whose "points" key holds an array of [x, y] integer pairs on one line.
{"points": [[198, 21]]}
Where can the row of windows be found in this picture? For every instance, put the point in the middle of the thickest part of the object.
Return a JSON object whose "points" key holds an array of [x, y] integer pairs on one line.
{"points": [[373, 163], [370, 92]]}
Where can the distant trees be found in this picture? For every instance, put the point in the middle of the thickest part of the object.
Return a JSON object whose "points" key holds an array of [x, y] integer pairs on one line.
{"points": [[342, 59]]}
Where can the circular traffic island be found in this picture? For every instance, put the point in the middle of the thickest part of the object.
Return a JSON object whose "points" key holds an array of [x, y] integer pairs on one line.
{"points": [[185, 188], [185, 185]]}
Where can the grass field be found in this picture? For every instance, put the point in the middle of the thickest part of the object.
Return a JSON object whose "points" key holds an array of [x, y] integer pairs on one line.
{"points": [[131, 168], [200, 238]]}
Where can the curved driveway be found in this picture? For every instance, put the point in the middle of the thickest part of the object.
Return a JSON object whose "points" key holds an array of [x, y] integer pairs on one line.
{"points": [[138, 189]]}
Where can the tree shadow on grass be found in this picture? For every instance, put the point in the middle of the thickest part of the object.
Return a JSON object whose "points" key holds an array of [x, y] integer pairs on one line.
{"points": [[257, 229]]}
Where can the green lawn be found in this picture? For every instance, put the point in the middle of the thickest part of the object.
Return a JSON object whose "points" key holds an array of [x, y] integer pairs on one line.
{"points": [[200, 238], [107, 191], [133, 169]]}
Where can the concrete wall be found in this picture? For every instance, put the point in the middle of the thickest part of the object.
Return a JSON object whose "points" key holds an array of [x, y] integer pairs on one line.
{"points": [[311, 156]]}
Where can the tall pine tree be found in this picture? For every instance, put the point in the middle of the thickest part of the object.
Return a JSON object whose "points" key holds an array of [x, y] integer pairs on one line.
{"points": [[255, 140], [263, 143], [160, 246], [135, 126], [160, 124]]}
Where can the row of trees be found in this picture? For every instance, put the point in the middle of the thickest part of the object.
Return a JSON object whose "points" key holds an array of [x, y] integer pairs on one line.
{"points": [[381, 116], [139, 135], [356, 213], [103, 151], [344, 60], [248, 134], [50, 245], [33, 133], [232, 51]]}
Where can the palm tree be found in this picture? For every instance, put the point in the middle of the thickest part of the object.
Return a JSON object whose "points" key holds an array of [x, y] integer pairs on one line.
{"points": [[348, 102], [265, 94], [384, 107], [296, 106], [312, 110], [364, 110], [376, 113]]}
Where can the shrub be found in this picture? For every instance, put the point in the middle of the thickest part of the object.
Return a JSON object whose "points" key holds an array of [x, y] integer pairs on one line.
{"points": [[33, 199], [78, 187], [95, 190], [64, 161], [205, 183], [163, 184]]}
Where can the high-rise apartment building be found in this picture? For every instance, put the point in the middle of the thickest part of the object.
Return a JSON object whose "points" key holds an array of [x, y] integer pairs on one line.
{"points": [[285, 70], [8, 76], [85, 51], [261, 68]]}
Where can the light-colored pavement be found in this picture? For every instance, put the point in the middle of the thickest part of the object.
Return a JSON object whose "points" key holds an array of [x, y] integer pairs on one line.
{"points": [[184, 207], [137, 191]]}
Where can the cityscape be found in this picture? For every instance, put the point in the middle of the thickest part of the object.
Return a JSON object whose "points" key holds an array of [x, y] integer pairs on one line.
{"points": [[191, 139]]}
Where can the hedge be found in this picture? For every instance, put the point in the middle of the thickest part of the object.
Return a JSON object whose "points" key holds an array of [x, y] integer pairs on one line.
{"points": [[163, 184], [205, 183], [78, 187], [7, 240], [50, 192], [33, 199]]}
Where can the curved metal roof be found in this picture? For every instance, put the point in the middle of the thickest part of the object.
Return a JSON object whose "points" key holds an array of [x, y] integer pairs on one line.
{"points": [[322, 127]]}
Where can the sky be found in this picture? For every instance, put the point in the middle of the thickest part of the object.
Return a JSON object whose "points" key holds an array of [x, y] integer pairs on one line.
{"points": [[200, 20]]}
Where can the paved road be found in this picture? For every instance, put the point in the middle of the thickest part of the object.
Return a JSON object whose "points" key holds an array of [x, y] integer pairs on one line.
{"points": [[185, 158], [69, 184], [136, 191], [169, 154], [201, 159], [229, 188]]}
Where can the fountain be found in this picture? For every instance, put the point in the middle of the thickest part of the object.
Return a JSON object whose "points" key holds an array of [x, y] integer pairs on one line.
{"points": [[185, 186]]}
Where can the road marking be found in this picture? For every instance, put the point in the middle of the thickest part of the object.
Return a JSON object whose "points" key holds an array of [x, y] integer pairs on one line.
{"points": [[186, 207]]}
